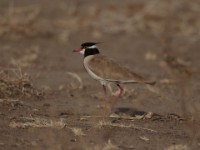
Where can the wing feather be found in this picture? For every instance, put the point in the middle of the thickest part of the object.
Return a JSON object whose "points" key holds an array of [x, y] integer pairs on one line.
{"points": [[109, 70]]}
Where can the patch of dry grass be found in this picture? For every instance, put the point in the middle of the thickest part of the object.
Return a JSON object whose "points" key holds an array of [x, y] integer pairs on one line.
{"points": [[144, 138], [178, 147], [15, 84], [37, 122], [110, 146], [12, 102], [25, 122], [118, 125], [77, 131]]}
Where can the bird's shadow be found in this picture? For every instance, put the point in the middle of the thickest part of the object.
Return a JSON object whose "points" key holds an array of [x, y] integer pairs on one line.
{"points": [[129, 111]]}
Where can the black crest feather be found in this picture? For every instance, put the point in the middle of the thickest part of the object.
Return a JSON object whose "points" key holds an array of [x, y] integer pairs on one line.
{"points": [[86, 44]]}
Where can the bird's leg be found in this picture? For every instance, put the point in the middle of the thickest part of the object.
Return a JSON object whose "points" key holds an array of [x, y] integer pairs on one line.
{"points": [[121, 92], [106, 102]]}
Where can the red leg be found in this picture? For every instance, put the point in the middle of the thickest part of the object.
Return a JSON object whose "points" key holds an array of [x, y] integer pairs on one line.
{"points": [[121, 92], [115, 100]]}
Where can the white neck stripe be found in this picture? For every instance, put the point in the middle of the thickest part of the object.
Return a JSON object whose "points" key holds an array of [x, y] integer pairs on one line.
{"points": [[93, 46]]}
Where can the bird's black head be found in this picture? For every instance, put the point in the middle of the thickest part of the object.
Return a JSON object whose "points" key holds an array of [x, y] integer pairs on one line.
{"points": [[88, 48], [88, 44]]}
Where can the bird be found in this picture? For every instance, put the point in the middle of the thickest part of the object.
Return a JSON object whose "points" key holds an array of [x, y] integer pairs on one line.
{"points": [[106, 70]]}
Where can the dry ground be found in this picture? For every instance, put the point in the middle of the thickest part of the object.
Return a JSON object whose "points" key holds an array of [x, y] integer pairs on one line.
{"points": [[47, 101]]}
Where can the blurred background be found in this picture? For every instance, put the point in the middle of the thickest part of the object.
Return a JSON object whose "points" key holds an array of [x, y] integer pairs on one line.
{"points": [[53, 29], [157, 38]]}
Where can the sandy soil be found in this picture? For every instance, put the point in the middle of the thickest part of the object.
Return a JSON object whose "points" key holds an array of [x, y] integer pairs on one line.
{"points": [[48, 101]]}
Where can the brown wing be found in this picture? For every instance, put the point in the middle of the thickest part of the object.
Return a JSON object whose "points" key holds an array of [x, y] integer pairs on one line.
{"points": [[112, 71]]}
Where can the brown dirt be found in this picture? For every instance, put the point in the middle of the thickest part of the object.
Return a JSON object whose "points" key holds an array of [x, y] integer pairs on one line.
{"points": [[48, 101]]}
